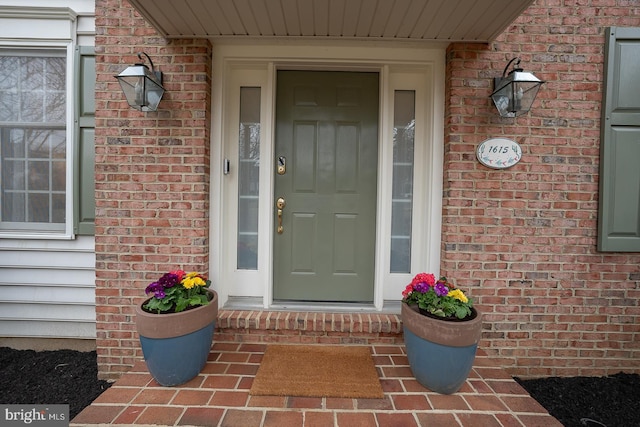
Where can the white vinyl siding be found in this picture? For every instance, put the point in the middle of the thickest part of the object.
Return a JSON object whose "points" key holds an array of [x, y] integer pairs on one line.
{"points": [[47, 288], [47, 281]]}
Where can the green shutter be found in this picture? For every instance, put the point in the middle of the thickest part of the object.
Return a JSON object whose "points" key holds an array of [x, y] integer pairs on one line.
{"points": [[619, 201], [84, 185]]}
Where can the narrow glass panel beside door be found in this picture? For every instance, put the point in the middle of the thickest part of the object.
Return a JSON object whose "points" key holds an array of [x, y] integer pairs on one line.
{"points": [[402, 195], [248, 178]]}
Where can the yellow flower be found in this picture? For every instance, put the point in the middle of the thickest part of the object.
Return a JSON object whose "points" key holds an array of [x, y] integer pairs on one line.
{"points": [[193, 279], [458, 294]]}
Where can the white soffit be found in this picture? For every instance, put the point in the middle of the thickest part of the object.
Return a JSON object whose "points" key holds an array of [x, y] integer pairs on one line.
{"points": [[430, 20]]}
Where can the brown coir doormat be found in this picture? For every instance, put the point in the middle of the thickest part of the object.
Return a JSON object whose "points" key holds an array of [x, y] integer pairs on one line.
{"points": [[317, 371]]}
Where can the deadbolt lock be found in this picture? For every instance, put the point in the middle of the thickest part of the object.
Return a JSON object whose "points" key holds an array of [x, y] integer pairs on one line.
{"points": [[282, 165]]}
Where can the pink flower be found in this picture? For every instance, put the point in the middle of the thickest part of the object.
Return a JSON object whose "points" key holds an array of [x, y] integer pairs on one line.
{"points": [[180, 274], [407, 290], [427, 278]]}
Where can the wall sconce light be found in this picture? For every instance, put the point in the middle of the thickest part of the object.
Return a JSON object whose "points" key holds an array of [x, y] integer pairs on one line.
{"points": [[142, 88], [514, 94]]}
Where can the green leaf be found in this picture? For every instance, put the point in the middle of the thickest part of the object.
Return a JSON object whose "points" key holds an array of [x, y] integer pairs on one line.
{"points": [[181, 304], [462, 312], [197, 300]]}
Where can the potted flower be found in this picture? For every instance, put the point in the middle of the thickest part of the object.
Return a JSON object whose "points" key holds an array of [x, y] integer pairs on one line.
{"points": [[176, 326], [441, 332]]}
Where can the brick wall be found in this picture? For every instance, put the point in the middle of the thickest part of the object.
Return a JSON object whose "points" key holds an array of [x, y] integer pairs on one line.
{"points": [[152, 175], [524, 239]]}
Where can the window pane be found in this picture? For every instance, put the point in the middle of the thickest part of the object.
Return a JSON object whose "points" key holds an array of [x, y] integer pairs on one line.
{"points": [[38, 207], [32, 70], [32, 104], [33, 145], [38, 176], [9, 70], [8, 102], [248, 177], [9, 76], [402, 184], [58, 209], [54, 75], [58, 176], [13, 175], [14, 207], [55, 95], [12, 143]]}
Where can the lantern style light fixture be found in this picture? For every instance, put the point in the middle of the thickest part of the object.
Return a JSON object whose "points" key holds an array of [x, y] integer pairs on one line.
{"points": [[142, 87], [514, 93]]}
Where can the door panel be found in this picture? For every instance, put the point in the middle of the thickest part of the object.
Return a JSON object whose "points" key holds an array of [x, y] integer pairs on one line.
{"points": [[304, 166], [327, 134], [345, 244], [347, 158], [302, 242]]}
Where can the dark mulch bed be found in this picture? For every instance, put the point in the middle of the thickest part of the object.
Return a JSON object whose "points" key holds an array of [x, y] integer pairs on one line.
{"points": [[66, 376], [612, 401], [49, 378]]}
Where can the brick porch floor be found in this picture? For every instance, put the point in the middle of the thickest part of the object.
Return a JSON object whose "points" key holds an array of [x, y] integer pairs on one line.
{"points": [[219, 396]]}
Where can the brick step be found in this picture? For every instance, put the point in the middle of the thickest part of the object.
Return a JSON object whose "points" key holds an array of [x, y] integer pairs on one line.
{"points": [[308, 327]]}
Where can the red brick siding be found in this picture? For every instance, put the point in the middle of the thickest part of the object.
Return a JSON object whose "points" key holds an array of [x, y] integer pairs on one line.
{"points": [[152, 175], [523, 240]]}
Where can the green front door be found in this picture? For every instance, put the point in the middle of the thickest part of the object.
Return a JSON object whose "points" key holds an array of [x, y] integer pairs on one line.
{"points": [[326, 174]]}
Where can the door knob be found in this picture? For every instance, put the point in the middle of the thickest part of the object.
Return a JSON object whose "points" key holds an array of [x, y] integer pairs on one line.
{"points": [[280, 204]]}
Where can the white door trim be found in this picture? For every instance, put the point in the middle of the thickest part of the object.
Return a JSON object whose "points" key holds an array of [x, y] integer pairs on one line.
{"points": [[401, 67]]}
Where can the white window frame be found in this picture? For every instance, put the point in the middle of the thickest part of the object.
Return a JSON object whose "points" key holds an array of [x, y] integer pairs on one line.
{"points": [[243, 282], [67, 232], [50, 28], [400, 68]]}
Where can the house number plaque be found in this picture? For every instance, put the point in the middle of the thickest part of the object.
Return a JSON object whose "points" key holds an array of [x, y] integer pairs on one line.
{"points": [[499, 153]]}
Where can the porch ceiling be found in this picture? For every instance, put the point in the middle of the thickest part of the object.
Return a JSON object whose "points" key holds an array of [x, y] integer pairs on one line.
{"points": [[431, 20]]}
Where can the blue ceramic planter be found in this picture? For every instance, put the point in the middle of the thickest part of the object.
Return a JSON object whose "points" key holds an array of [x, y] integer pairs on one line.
{"points": [[440, 368], [440, 353], [174, 361], [176, 345]]}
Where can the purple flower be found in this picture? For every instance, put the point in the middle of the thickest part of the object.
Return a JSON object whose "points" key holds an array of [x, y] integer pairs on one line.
{"points": [[157, 289], [151, 288], [440, 289], [421, 287], [168, 280]]}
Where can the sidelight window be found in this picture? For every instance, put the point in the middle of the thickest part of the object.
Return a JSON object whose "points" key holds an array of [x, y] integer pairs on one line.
{"points": [[248, 178], [402, 193]]}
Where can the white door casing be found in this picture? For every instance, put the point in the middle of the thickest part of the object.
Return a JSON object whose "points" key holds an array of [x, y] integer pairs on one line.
{"points": [[404, 67]]}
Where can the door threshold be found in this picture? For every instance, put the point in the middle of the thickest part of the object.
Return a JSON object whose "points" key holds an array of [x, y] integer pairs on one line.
{"points": [[256, 304], [323, 307]]}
